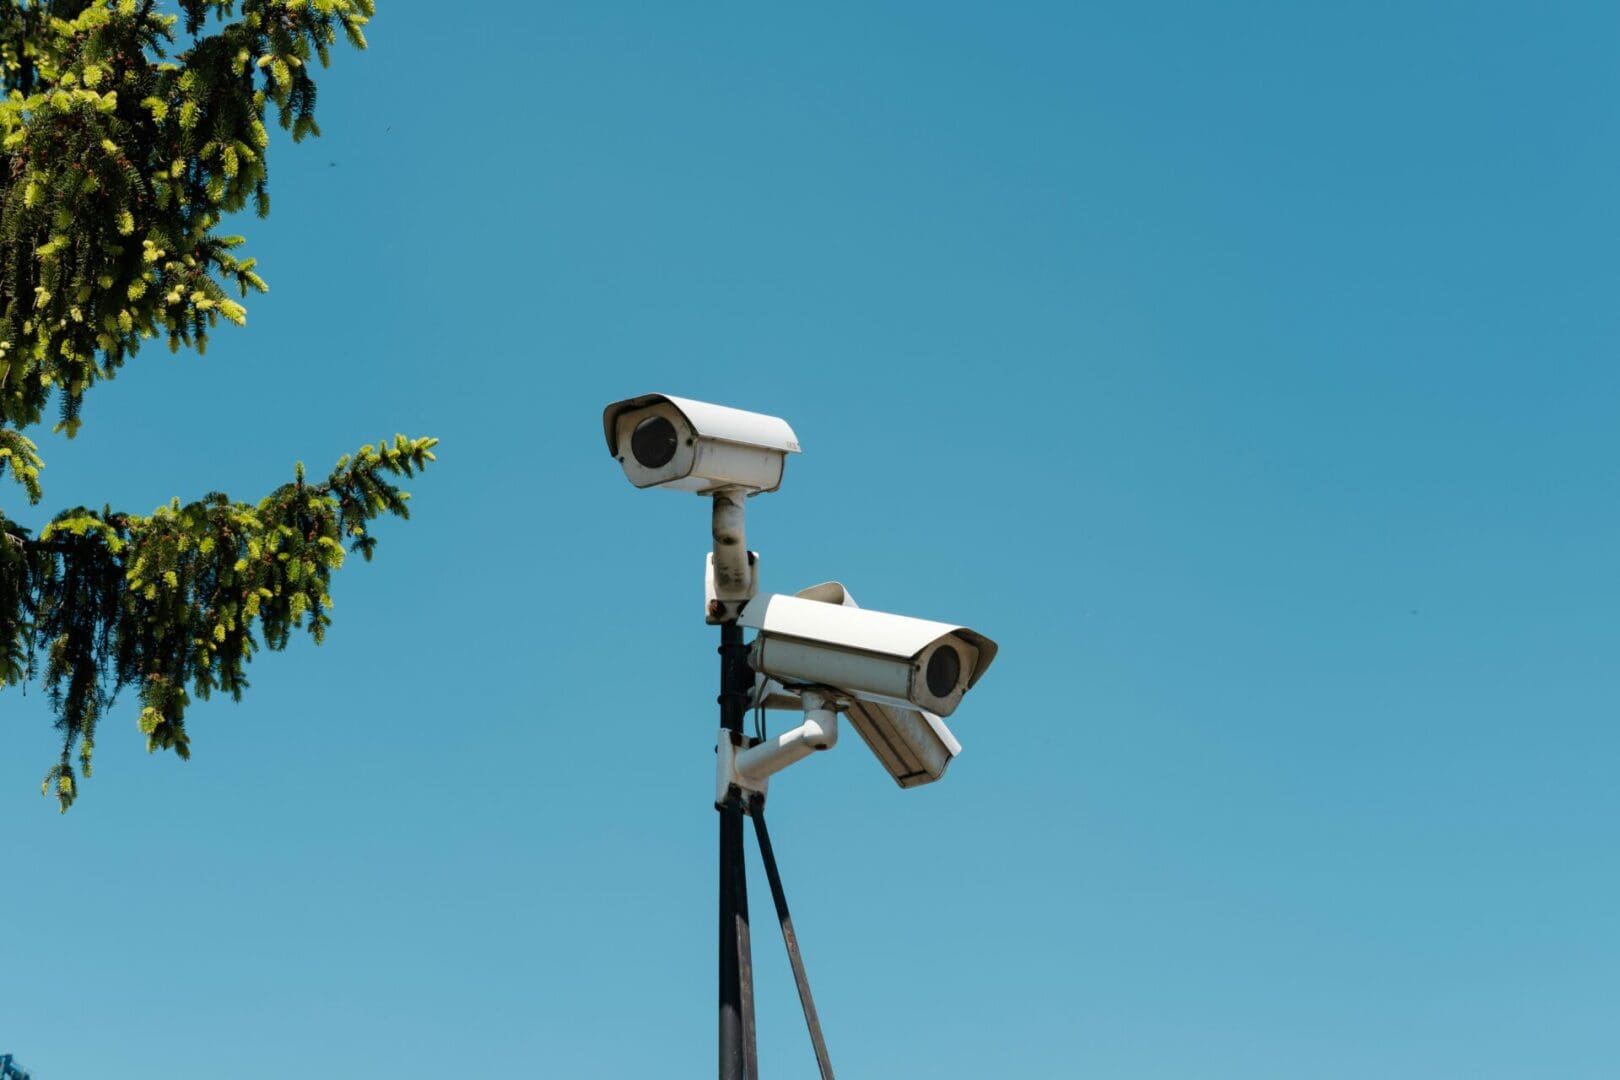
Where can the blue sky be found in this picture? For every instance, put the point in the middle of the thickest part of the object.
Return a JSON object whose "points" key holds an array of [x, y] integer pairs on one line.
{"points": [[1247, 371]]}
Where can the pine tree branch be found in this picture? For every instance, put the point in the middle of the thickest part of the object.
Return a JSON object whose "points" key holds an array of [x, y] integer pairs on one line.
{"points": [[118, 164], [175, 603]]}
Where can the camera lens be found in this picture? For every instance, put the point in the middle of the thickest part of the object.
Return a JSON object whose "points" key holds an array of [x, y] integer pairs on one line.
{"points": [[944, 671], [653, 442]]}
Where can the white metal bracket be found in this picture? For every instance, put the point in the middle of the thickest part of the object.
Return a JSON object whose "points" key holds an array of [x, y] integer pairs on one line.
{"points": [[718, 609], [732, 575], [728, 783], [746, 765]]}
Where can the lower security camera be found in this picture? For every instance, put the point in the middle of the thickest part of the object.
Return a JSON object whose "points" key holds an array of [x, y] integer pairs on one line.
{"points": [[868, 655], [913, 746]]}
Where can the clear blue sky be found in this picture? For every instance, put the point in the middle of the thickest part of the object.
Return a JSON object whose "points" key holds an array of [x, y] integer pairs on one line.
{"points": [[1247, 370]]}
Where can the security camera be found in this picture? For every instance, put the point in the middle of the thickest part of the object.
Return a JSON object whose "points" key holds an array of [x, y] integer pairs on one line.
{"points": [[914, 746], [693, 446], [868, 655]]}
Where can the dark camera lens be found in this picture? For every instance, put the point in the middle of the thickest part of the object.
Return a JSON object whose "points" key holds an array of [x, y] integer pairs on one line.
{"points": [[653, 442], [944, 671]]}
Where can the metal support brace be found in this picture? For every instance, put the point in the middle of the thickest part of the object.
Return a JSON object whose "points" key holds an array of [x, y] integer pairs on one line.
{"points": [[756, 810]]}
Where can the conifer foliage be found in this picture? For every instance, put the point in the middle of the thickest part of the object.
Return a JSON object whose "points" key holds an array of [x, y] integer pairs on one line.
{"points": [[127, 135]]}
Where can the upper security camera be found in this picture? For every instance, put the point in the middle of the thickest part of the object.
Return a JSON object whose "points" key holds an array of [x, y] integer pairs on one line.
{"points": [[869, 655], [693, 446]]}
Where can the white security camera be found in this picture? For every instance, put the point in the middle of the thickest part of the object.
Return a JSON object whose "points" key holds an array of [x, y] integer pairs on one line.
{"points": [[914, 746], [868, 655], [693, 446]]}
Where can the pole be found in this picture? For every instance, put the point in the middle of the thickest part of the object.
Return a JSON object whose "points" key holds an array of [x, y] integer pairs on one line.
{"points": [[738, 1060]]}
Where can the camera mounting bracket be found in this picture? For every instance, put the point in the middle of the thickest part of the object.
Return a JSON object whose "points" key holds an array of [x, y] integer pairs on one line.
{"points": [[744, 765]]}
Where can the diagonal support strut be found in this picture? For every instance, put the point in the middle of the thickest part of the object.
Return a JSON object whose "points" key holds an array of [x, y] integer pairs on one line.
{"points": [[756, 810]]}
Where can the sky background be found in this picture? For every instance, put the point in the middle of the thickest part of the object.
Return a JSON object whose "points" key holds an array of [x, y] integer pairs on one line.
{"points": [[1246, 370]]}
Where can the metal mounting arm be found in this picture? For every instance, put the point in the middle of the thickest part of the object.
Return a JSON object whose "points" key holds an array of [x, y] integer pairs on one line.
{"points": [[818, 732], [749, 767], [732, 576]]}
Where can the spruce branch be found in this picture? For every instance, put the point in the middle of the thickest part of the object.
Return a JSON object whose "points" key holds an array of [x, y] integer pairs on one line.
{"points": [[123, 149], [118, 164], [175, 603]]}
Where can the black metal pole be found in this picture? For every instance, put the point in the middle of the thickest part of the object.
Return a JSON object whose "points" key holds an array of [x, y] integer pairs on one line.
{"points": [[738, 1060]]}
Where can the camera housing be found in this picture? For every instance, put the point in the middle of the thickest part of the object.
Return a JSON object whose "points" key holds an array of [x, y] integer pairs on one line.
{"points": [[914, 746], [687, 445], [868, 655]]}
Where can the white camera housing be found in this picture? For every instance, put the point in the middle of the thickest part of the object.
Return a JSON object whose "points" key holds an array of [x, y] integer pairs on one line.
{"points": [[686, 445], [868, 655], [914, 746]]}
